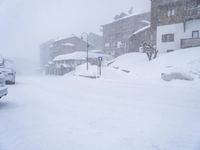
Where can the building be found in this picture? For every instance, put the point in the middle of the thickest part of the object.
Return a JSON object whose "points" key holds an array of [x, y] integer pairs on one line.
{"points": [[176, 24], [45, 53], [116, 34], [66, 63], [68, 45], [95, 40], [61, 46], [137, 38]]}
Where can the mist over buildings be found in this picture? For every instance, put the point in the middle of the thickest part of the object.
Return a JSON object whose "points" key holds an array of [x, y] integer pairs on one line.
{"points": [[25, 24]]}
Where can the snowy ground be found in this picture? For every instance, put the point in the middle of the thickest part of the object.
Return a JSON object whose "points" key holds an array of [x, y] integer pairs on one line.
{"points": [[53, 113], [119, 111]]}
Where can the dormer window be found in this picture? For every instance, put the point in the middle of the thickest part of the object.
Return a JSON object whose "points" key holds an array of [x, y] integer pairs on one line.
{"points": [[195, 34], [171, 12]]}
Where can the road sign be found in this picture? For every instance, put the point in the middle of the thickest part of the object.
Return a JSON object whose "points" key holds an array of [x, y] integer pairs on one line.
{"points": [[100, 58]]}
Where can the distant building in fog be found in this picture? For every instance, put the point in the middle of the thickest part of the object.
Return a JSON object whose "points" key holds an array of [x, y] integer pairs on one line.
{"points": [[117, 33], [96, 40], [45, 53], [136, 39], [61, 46]]}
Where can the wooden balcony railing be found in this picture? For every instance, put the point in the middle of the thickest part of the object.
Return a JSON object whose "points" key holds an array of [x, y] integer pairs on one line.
{"points": [[191, 42], [192, 13]]}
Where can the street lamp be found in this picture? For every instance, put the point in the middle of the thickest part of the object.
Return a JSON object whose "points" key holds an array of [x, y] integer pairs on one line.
{"points": [[87, 46]]}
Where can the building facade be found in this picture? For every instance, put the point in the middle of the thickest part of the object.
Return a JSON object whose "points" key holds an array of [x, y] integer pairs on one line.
{"points": [[45, 53], [176, 24], [141, 36], [116, 34], [61, 46], [96, 40]]}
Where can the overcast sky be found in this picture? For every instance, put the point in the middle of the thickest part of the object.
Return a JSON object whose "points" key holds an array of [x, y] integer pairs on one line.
{"points": [[24, 24]]}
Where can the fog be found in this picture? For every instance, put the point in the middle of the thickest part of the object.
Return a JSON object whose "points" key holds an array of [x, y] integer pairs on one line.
{"points": [[25, 24]]}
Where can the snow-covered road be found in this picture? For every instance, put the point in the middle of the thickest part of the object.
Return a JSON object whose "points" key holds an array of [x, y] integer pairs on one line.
{"points": [[72, 113]]}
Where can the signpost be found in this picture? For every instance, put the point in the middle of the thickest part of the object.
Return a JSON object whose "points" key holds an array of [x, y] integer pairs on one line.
{"points": [[100, 59]]}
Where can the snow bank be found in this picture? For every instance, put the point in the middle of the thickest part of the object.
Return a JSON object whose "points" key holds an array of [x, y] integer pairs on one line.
{"points": [[129, 61], [185, 61], [82, 71]]}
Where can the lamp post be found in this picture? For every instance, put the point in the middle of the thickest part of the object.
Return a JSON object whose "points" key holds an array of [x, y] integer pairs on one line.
{"points": [[82, 37]]}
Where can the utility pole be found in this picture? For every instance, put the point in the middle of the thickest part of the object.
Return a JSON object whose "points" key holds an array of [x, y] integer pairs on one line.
{"points": [[87, 48]]}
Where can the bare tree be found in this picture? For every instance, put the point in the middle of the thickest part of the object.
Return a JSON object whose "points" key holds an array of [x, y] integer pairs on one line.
{"points": [[149, 50]]}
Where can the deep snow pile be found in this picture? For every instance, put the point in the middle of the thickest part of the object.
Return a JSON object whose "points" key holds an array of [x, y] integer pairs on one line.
{"points": [[129, 61], [107, 73], [82, 71], [185, 61]]}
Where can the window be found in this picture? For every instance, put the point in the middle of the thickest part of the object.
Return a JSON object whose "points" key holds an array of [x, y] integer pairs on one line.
{"points": [[168, 38], [119, 44], [195, 34], [171, 12]]}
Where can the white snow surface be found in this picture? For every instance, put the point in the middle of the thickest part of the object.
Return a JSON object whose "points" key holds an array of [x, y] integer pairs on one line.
{"points": [[81, 55], [82, 71], [119, 111], [185, 61], [130, 60]]}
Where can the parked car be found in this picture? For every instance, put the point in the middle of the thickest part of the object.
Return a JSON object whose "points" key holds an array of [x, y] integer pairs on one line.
{"points": [[7, 68], [3, 88]]}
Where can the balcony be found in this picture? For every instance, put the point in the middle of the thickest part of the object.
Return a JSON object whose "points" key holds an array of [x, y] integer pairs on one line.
{"points": [[192, 42], [192, 13]]}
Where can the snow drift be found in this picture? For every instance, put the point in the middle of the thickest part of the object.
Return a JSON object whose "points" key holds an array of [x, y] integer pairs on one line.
{"points": [[184, 61]]}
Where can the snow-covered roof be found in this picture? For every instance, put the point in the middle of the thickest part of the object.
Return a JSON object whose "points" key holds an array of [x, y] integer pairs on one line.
{"points": [[63, 37], [128, 16], [59, 38], [81, 55], [140, 30], [50, 63], [146, 21], [72, 56], [97, 51], [68, 44], [64, 44]]}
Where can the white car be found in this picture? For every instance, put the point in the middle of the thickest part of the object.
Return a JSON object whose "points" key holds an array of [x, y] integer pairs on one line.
{"points": [[10, 75], [6, 67], [3, 88]]}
